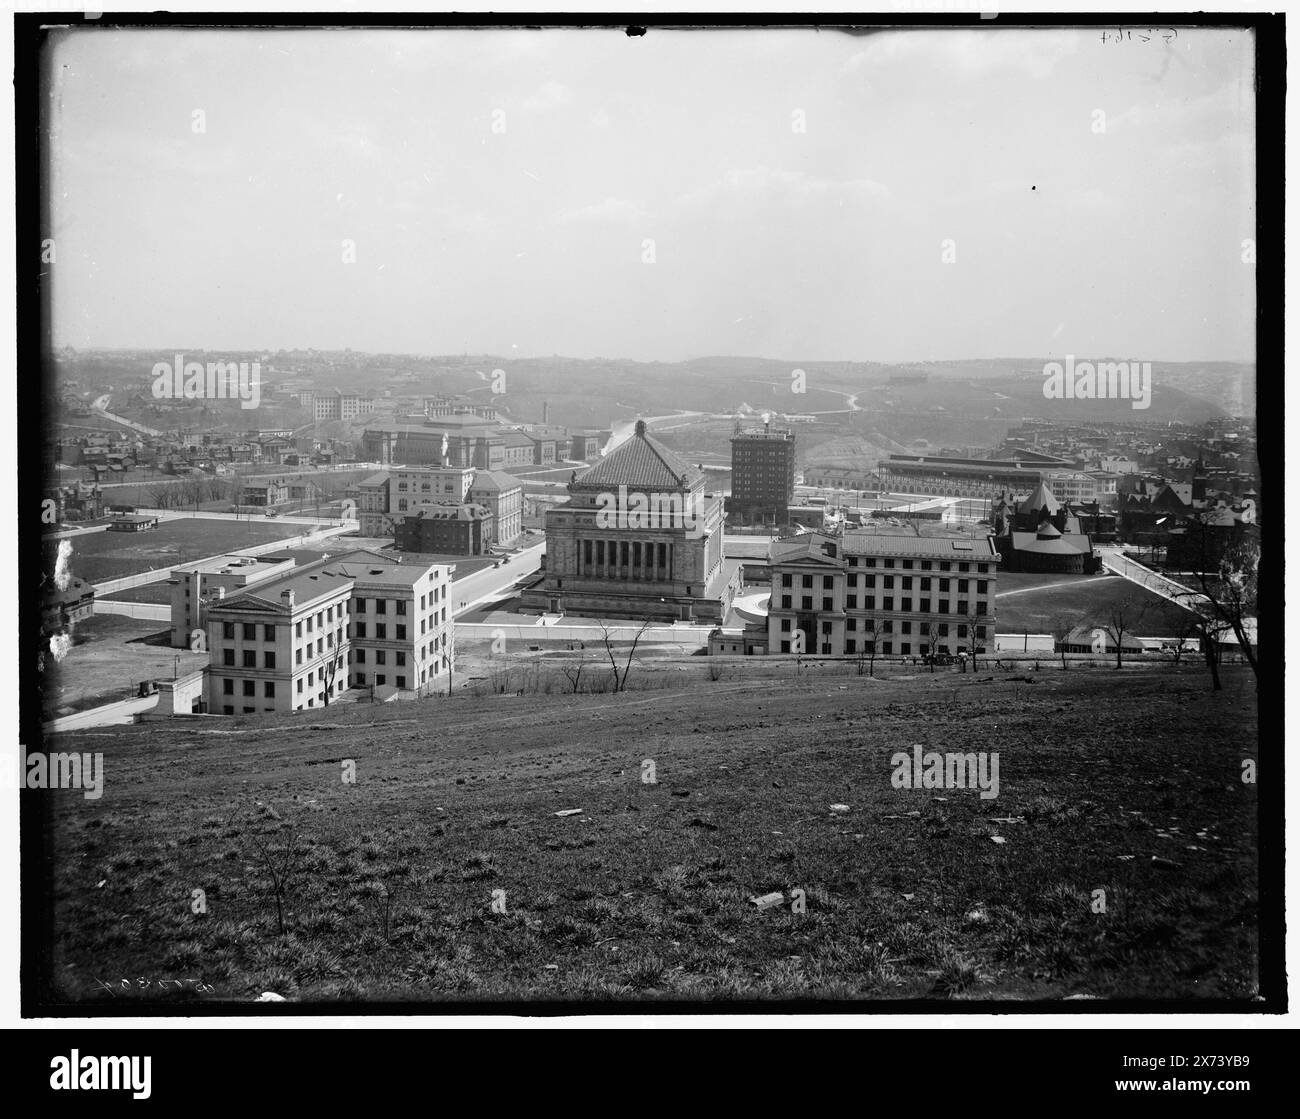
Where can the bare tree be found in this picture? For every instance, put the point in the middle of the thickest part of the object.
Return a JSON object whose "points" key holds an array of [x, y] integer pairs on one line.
{"points": [[1062, 626], [281, 867], [930, 641], [973, 621], [620, 676], [328, 672], [1228, 578], [573, 673], [1121, 619]]}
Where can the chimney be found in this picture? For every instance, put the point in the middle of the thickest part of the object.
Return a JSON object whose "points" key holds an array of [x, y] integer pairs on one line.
{"points": [[546, 412], [286, 596]]}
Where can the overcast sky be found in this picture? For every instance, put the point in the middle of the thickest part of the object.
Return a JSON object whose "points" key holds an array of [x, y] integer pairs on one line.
{"points": [[825, 242]]}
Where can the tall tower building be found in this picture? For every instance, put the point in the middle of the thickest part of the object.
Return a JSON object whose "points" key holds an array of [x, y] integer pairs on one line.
{"points": [[762, 474]]}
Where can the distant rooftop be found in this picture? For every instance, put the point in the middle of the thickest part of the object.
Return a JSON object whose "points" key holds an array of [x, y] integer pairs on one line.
{"points": [[880, 544]]}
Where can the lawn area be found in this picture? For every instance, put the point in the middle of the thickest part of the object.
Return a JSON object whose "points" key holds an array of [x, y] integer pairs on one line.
{"points": [[1082, 597], [99, 556], [443, 873], [109, 657]]}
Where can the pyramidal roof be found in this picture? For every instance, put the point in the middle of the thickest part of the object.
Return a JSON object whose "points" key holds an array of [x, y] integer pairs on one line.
{"points": [[641, 463], [1041, 498]]}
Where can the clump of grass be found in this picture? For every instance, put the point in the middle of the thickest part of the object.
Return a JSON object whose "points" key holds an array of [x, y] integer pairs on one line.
{"points": [[957, 974]]}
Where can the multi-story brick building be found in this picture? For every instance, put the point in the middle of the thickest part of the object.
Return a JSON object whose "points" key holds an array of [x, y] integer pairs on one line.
{"points": [[762, 474], [452, 441], [280, 646], [195, 585], [457, 530], [357, 619], [503, 497], [908, 595], [402, 633]]}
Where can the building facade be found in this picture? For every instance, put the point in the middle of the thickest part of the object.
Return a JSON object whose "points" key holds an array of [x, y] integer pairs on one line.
{"points": [[281, 646], [762, 474], [638, 538], [401, 634], [503, 497], [195, 585], [894, 595]]}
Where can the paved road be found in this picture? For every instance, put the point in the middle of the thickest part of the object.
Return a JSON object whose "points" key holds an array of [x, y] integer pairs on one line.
{"points": [[491, 583], [124, 711]]}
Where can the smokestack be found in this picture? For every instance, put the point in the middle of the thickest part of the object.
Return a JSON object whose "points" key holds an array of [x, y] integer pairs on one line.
{"points": [[546, 412]]}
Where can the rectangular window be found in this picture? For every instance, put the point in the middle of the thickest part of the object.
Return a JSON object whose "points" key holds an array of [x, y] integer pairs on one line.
{"points": [[269, 659], [270, 689], [300, 685], [889, 582], [401, 606], [869, 602], [925, 584], [380, 657], [923, 607], [250, 658], [807, 581], [381, 606], [785, 601], [228, 656], [361, 656], [228, 631], [828, 603], [250, 687], [361, 629], [851, 602], [297, 629], [963, 586], [906, 606], [828, 582], [268, 633], [401, 633], [981, 586], [785, 625], [250, 632], [381, 631], [888, 602], [227, 687], [787, 580], [807, 602]]}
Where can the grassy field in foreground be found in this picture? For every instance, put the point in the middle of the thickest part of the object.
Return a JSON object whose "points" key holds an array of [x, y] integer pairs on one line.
{"points": [[1129, 785]]}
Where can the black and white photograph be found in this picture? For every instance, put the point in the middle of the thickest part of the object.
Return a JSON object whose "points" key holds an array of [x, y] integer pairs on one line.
{"points": [[727, 517]]}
